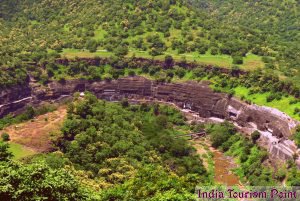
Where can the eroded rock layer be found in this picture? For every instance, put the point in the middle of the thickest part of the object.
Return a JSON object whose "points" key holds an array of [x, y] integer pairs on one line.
{"points": [[197, 97]]}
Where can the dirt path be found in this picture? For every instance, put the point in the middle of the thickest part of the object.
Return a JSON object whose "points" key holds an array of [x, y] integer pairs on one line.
{"points": [[37, 133]]}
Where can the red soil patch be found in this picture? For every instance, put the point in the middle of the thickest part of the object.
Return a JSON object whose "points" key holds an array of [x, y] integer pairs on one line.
{"points": [[37, 133]]}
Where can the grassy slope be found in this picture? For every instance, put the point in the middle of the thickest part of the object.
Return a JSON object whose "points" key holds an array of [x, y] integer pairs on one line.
{"points": [[20, 151], [251, 61], [34, 136], [261, 99]]}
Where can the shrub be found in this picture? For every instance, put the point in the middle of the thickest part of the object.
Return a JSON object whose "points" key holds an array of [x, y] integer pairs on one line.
{"points": [[255, 136], [270, 97], [280, 175], [124, 103], [231, 93], [278, 96], [131, 73], [214, 51], [297, 111], [107, 77], [297, 138], [5, 137], [169, 60], [237, 60], [180, 72], [62, 80], [266, 59], [293, 101]]}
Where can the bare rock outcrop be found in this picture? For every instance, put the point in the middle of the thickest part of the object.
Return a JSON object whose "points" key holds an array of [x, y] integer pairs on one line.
{"points": [[198, 97], [14, 99]]}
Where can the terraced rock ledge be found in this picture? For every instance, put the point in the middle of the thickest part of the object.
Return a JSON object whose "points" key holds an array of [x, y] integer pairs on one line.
{"points": [[195, 98]]}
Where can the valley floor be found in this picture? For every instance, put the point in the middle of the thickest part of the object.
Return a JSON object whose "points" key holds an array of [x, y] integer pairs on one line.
{"points": [[34, 136]]}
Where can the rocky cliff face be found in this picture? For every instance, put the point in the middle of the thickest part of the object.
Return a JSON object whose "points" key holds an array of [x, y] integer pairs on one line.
{"points": [[14, 93], [14, 98], [197, 97]]}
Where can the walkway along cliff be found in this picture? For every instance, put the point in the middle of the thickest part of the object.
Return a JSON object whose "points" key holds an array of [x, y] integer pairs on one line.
{"points": [[198, 98]]}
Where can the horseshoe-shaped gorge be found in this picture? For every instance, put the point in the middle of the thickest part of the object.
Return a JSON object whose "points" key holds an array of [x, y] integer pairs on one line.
{"points": [[276, 128], [149, 100]]}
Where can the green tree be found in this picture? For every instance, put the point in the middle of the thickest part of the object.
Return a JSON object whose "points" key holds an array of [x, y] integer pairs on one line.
{"points": [[5, 137], [237, 60], [5, 155], [131, 73], [180, 72], [214, 51], [38, 182], [124, 103], [91, 45], [121, 51], [220, 133], [255, 136], [169, 61]]}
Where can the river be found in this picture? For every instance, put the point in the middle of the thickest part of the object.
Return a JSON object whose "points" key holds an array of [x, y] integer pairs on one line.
{"points": [[217, 163]]}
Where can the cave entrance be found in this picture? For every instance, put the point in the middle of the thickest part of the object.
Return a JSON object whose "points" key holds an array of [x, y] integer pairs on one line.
{"points": [[249, 119], [187, 105], [80, 88], [231, 114]]}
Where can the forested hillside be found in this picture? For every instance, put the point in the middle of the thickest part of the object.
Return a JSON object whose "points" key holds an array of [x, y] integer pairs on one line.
{"points": [[116, 151], [277, 22], [132, 151], [248, 49], [246, 31]]}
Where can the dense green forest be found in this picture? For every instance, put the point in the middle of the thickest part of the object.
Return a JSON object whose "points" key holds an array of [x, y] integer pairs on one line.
{"points": [[117, 151], [36, 30], [132, 150], [275, 21]]}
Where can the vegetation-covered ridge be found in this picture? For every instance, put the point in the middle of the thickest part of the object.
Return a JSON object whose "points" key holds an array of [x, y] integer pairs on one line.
{"points": [[207, 30], [117, 151], [253, 87], [132, 150]]}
